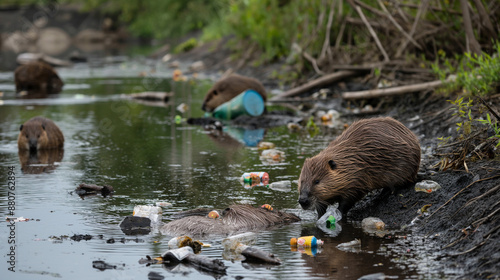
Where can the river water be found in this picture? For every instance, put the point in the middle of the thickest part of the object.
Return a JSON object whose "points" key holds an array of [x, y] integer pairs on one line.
{"points": [[147, 157]]}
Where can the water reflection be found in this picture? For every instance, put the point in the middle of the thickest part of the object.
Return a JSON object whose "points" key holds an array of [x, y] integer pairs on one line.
{"points": [[40, 161]]}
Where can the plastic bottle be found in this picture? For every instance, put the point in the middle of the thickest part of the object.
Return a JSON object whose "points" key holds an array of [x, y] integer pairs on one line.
{"points": [[306, 241], [239, 242], [282, 186], [177, 255], [251, 179]]}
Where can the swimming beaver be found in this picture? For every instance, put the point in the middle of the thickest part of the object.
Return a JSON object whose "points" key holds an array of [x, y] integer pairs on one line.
{"points": [[228, 88], [371, 154], [39, 133], [234, 219], [37, 77]]}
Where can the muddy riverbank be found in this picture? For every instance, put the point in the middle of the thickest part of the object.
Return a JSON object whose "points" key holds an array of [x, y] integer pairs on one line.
{"points": [[461, 220]]}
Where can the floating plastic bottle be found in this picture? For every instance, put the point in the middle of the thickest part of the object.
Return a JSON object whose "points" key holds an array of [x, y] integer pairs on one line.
{"points": [[252, 179], [306, 241], [239, 242], [248, 103], [282, 186]]}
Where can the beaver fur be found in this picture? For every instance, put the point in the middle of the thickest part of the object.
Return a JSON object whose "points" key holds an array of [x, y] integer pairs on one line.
{"points": [[370, 154], [39, 133], [229, 87], [236, 218], [38, 77]]}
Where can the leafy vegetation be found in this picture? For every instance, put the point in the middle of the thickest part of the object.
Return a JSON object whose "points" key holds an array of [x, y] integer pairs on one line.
{"points": [[475, 74]]}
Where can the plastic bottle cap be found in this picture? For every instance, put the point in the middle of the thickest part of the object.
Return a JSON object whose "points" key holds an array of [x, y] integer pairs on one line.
{"points": [[293, 241]]}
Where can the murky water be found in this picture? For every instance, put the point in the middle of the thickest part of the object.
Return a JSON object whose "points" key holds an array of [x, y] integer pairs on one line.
{"points": [[147, 157]]}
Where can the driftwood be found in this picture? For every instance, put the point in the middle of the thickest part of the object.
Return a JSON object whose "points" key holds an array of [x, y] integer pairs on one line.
{"points": [[323, 81], [390, 91], [150, 96]]}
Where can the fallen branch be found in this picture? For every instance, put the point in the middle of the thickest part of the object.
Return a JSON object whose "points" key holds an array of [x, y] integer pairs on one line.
{"points": [[390, 91], [313, 62], [324, 80], [389, 16]]}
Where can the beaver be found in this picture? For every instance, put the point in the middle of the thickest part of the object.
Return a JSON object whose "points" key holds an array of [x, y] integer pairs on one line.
{"points": [[37, 76], [229, 87], [370, 154], [235, 218], [39, 133], [41, 161]]}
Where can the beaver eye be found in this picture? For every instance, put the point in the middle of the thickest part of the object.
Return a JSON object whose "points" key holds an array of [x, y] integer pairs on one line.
{"points": [[332, 164], [316, 182], [215, 92]]}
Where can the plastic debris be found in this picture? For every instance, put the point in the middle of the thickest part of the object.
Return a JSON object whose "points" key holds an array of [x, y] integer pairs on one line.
{"points": [[372, 224], [183, 241], [213, 214], [238, 244], [163, 204], [265, 145], [272, 156], [248, 103], [427, 186], [355, 243], [252, 179], [154, 213], [183, 107], [283, 186], [329, 221], [306, 241], [267, 206], [177, 255]]}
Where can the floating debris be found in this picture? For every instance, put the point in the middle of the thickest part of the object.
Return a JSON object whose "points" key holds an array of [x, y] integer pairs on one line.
{"points": [[427, 186], [354, 243], [90, 189]]}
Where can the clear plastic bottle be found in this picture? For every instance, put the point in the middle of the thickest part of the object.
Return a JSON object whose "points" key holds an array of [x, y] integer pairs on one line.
{"points": [[282, 186], [252, 179], [239, 242]]}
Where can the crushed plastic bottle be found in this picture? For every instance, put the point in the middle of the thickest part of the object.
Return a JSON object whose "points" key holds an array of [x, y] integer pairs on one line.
{"points": [[154, 213], [306, 241], [177, 255], [238, 244], [282, 186]]}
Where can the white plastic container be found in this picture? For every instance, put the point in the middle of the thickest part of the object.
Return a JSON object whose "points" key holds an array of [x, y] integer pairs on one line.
{"points": [[154, 213], [177, 255]]}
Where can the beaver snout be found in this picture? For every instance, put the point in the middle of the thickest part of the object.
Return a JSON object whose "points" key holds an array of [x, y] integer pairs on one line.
{"points": [[33, 144], [304, 201]]}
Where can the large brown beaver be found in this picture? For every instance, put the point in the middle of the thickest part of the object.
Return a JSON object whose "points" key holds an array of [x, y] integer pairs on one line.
{"points": [[39, 133], [371, 154], [227, 88], [236, 218], [37, 77]]}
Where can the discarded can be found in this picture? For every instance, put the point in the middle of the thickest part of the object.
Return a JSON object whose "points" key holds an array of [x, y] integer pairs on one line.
{"points": [[306, 241], [251, 179], [213, 214], [248, 103]]}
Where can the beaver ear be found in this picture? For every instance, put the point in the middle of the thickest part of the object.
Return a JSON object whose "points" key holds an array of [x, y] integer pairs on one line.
{"points": [[21, 128], [332, 164]]}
